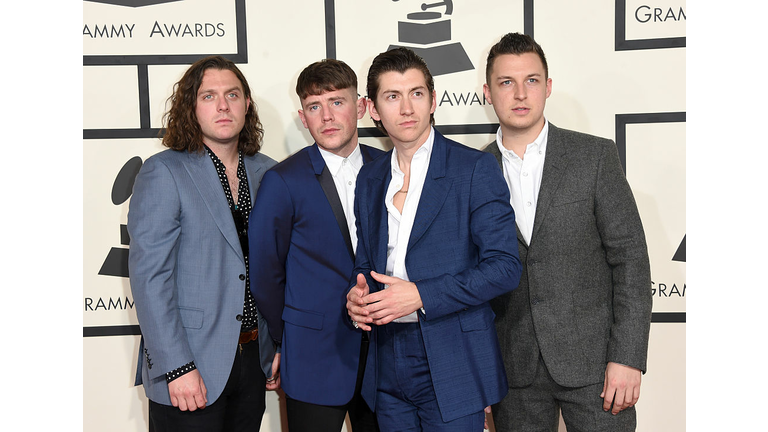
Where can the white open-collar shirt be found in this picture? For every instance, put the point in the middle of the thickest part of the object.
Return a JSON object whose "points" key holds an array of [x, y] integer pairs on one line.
{"points": [[523, 178], [344, 172]]}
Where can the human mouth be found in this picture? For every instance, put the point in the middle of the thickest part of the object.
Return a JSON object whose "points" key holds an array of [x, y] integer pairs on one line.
{"points": [[521, 110]]}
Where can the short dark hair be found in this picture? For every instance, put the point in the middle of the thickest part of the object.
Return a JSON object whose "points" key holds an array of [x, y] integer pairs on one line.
{"points": [[181, 128], [514, 43], [324, 76], [397, 60]]}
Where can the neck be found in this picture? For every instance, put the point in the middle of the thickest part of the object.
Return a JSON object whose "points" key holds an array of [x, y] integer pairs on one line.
{"points": [[406, 150], [227, 154], [517, 140]]}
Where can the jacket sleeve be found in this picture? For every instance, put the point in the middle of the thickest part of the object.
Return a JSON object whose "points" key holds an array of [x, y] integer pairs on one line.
{"points": [[493, 232], [154, 226], [269, 238], [621, 231]]}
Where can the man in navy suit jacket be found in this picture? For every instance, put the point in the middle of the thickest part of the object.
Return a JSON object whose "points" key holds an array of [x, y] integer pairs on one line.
{"points": [[436, 242], [302, 246]]}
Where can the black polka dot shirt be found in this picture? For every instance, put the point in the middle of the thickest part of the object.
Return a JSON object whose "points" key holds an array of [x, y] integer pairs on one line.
{"points": [[240, 213]]}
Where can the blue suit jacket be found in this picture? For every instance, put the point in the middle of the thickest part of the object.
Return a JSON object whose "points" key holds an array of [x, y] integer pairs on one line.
{"points": [[462, 252], [187, 269], [301, 262]]}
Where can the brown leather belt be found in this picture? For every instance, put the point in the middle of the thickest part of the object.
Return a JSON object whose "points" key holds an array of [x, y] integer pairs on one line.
{"points": [[246, 337]]}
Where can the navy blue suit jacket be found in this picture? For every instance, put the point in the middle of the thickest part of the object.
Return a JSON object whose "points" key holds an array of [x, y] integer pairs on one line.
{"points": [[462, 252], [301, 262]]}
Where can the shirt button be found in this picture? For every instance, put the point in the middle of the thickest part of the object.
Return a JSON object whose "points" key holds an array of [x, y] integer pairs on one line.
{"points": [[528, 203], [525, 173], [239, 317], [349, 183]]}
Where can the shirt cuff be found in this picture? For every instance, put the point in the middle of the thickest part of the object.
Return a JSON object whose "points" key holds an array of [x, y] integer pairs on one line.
{"points": [[172, 375]]}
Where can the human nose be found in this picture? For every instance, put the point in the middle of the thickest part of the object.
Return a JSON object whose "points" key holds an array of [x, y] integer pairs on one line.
{"points": [[326, 115], [406, 106], [520, 92], [223, 104]]}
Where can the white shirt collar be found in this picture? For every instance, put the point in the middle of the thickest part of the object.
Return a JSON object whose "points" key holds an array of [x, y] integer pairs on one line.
{"points": [[425, 149], [334, 162], [539, 144]]}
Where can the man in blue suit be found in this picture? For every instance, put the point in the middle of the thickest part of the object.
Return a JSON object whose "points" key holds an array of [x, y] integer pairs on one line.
{"points": [[188, 264], [436, 242], [303, 245]]}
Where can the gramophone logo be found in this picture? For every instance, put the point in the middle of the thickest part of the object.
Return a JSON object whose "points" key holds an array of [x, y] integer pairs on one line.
{"points": [[116, 262], [428, 34]]}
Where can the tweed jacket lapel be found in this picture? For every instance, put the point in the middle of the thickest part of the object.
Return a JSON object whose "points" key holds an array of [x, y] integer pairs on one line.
{"points": [[205, 178], [555, 163]]}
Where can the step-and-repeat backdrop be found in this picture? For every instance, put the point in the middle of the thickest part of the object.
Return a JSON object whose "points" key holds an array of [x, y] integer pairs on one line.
{"points": [[618, 71]]}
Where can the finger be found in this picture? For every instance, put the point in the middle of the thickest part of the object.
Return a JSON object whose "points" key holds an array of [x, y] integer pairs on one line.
{"points": [[361, 282], [204, 391], [199, 401], [618, 401], [174, 401], [378, 277], [608, 395], [183, 404]]}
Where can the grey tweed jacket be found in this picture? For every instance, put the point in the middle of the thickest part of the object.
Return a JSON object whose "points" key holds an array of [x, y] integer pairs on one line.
{"points": [[584, 297]]}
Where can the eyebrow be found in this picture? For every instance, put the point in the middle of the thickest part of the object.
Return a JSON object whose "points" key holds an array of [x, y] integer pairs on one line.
{"points": [[419, 87], [236, 88], [507, 77]]}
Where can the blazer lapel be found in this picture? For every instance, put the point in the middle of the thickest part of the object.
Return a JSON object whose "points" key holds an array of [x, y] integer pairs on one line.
{"points": [[555, 163], [331, 194], [205, 178], [434, 192], [493, 148], [378, 224]]}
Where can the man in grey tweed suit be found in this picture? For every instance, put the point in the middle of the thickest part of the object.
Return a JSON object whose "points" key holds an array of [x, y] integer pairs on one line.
{"points": [[574, 334]]}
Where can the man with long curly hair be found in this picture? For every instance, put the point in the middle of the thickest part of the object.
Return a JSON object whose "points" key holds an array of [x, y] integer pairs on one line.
{"points": [[188, 265]]}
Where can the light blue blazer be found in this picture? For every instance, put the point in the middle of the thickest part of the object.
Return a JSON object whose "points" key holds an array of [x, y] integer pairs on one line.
{"points": [[187, 269], [462, 253]]}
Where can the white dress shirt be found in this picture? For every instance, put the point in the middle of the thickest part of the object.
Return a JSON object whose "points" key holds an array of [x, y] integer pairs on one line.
{"points": [[523, 178], [400, 225], [344, 172]]}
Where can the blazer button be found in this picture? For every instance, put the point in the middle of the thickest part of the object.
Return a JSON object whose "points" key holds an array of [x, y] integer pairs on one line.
{"points": [[239, 317], [535, 301], [242, 277]]}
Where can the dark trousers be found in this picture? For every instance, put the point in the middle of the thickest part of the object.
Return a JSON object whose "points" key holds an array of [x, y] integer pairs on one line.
{"points": [[537, 407], [239, 408], [405, 397], [307, 417]]}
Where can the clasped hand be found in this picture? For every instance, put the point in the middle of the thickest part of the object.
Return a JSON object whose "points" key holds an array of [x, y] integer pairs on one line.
{"points": [[399, 299]]}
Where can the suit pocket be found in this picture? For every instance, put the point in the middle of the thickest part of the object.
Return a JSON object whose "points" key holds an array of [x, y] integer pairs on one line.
{"points": [[565, 200], [477, 318], [308, 319], [191, 318]]}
